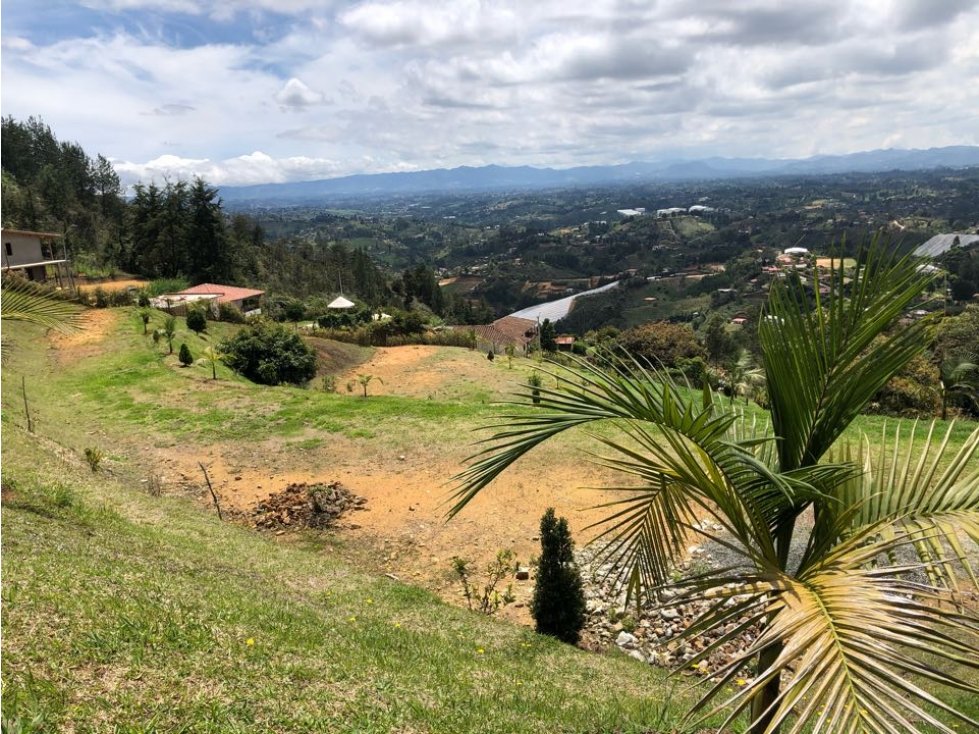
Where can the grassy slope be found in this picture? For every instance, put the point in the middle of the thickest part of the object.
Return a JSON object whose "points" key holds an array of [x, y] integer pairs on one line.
{"points": [[131, 612], [127, 612]]}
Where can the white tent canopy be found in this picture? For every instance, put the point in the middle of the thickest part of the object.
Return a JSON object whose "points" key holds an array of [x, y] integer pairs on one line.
{"points": [[341, 302]]}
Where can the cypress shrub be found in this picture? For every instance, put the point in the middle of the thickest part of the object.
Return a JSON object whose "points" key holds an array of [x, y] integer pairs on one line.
{"points": [[558, 605], [185, 357]]}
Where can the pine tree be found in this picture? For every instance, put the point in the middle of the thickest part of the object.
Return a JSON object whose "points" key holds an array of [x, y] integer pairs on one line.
{"points": [[558, 605]]}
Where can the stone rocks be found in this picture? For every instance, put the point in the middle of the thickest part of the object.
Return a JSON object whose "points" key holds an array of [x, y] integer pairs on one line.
{"points": [[626, 640], [652, 629]]}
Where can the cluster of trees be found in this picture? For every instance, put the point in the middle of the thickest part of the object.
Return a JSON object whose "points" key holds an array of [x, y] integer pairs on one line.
{"points": [[176, 230], [164, 231], [55, 186]]}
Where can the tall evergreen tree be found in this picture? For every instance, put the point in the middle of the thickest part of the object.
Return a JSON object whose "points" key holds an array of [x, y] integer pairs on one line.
{"points": [[209, 250]]}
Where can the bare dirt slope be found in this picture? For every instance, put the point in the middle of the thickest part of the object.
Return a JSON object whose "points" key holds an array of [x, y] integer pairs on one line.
{"points": [[407, 480]]}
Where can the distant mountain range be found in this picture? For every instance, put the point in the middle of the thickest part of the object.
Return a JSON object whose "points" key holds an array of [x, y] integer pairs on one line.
{"points": [[490, 178]]}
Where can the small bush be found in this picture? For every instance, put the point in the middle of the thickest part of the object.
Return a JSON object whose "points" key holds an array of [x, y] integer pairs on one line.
{"points": [[230, 313], [93, 458], [558, 605], [269, 354], [536, 381], [119, 298], [487, 599], [142, 298], [100, 298], [196, 320], [329, 383], [185, 357]]}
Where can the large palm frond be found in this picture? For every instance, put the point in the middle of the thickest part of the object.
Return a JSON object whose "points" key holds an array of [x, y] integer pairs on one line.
{"points": [[20, 301], [855, 641], [677, 447], [921, 488], [822, 362]]}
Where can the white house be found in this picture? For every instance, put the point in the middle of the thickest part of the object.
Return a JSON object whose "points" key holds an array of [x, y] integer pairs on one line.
{"points": [[33, 255]]}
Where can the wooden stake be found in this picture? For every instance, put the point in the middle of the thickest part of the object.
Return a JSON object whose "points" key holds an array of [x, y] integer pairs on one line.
{"points": [[27, 409], [217, 505]]}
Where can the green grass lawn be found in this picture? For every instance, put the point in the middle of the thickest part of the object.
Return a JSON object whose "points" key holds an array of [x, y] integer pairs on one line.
{"points": [[130, 613], [133, 613]]}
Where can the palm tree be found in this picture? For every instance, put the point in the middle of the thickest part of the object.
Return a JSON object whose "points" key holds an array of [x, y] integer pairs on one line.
{"points": [[841, 632], [958, 379], [745, 376], [365, 380], [210, 355], [169, 331]]}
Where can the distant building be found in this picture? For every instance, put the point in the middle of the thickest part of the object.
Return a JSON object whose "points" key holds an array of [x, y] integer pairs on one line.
{"points": [[670, 211], [942, 243], [340, 303], [700, 209], [631, 212], [796, 251], [247, 300], [32, 254]]}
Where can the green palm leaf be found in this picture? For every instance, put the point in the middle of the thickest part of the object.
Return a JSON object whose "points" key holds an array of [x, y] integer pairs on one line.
{"points": [[22, 302], [822, 362], [854, 643], [923, 489]]}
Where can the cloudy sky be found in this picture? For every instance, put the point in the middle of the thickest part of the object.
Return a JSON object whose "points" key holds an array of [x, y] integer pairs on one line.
{"points": [[253, 91]]}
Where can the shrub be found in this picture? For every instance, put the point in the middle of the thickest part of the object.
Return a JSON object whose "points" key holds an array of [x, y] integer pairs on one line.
{"points": [[536, 381], [120, 298], [196, 320], [486, 599], [270, 354], [100, 298], [558, 605], [93, 458], [661, 343], [230, 313], [142, 298], [185, 357]]}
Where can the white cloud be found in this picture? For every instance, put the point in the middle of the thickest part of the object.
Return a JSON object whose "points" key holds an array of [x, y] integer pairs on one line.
{"points": [[253, 168], [330, 89], [296, 94]]}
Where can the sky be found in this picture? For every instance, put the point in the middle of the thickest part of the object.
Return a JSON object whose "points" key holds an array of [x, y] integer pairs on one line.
{"points": [[261, 91]]}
